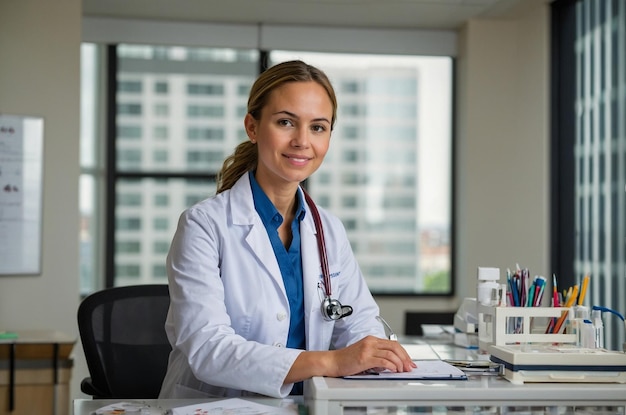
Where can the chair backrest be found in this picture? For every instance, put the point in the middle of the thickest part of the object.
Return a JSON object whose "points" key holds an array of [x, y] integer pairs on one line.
{"points": [[123, 336], [414, 319]]}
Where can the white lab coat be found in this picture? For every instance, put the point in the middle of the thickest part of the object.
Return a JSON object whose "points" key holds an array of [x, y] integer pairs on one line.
{"points": [[229, 315]]}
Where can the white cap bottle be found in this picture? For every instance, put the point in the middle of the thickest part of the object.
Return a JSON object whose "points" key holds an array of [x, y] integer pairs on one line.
{"points": [[487, 286]]}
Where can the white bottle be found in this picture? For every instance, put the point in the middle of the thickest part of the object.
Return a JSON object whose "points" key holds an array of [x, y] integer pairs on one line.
{"points": [[587, 334], [598, 328], [487, 286], [581, 313]]}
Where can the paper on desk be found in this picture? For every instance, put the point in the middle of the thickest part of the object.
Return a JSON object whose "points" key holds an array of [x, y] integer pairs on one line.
{"points": [[420, 351], [123, 408], [425, 370], [233, 406]]}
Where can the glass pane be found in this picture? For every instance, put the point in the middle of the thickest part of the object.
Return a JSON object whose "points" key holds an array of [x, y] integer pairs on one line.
{"points": [[91, 183], [89, 104], [178, 109], [146, 215], [387, 174]]}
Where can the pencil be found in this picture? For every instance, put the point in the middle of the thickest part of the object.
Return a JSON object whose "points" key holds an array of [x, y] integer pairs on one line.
{"points": [[569, 303], [583, 290], [567, 295]]}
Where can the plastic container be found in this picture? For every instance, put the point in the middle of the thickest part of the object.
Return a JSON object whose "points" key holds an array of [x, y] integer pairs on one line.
{"points": [[598, 328], [487, 286]]}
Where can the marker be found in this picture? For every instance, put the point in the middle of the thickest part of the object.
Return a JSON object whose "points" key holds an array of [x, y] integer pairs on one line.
{"points": [[540, 283], [555, 293]]}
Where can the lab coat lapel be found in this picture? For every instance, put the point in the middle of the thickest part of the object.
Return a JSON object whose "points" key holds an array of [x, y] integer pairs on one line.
{"points": [[258, 243]]}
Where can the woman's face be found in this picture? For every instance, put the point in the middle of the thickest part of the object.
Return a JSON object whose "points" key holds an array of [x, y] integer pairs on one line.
{"points": [[293, 133]]}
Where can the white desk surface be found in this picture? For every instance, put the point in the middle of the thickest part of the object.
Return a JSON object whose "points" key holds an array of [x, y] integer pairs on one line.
{"points": [[160, 406], [478, 390]]}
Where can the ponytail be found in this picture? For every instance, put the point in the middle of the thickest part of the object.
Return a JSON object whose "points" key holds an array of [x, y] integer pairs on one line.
{"points": [[236, 165]]}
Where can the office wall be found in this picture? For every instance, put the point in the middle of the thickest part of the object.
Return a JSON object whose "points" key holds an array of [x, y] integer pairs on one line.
{"points": [[502, 158], [503, 145], [502, 153], [40, 76]]}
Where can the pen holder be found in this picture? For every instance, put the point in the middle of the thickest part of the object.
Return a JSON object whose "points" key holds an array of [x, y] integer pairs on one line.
{"points": [[498, 326]]}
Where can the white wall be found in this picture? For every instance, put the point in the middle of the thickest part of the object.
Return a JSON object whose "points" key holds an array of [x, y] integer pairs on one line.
{"points": [[502, 160], [503, 146], [40, 76]]}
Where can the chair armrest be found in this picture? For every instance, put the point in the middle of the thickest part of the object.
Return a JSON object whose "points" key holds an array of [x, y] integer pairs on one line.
{"points": [[87, 386]]}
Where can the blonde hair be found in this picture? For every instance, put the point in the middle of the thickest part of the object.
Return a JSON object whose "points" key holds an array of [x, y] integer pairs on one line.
{"points": [[245, 156]]}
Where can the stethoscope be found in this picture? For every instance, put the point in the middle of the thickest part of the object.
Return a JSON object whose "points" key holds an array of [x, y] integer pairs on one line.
{"points": [[332, 309]]}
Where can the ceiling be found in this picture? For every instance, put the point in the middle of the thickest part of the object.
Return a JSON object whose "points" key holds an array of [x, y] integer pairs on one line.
{"points": [[400, 14]]}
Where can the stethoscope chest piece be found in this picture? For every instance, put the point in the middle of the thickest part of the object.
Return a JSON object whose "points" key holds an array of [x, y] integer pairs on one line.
{"points": [[333, 310]]}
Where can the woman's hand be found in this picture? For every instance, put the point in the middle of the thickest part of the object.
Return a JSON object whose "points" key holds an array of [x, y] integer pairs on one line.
{"points": [[371, 353], [368, 353]]}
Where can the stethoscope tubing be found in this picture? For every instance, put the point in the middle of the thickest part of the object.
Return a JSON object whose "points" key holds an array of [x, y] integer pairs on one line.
{"points": [[321, 245]]}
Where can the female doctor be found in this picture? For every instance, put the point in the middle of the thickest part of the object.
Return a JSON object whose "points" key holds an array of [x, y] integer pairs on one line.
{"points": [[250, 310]]}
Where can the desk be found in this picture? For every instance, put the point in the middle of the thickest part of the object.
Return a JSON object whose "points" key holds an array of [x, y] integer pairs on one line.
{"points": [[160, 406], [486, 394], [35, 370], [481, 394]]}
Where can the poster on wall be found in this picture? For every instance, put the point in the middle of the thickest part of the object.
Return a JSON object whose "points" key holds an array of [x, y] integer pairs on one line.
{"points": [[21, 175]]}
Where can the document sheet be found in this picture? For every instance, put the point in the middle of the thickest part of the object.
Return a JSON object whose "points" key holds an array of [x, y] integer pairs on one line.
{"points": [[426, 370]]}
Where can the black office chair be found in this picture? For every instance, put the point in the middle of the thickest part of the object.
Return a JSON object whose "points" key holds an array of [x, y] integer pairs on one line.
{"points": [[123, 337], [414, 320]]}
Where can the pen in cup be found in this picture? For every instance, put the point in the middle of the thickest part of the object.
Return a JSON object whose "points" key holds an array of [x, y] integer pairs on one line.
{"points": [[388, 330]]}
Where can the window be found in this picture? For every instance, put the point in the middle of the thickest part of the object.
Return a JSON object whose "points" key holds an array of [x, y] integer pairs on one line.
{"points": [[205, 111], [179, 113], [589, 152], [205, 89], [129, 109], [126, 199], [161, 200], [161, 110], [205, 133], [160, 156], [126, 247], [129, 131], [129, 86], [161, 224], [392, 180], [160, 132], [161, 87], [161, 247]]}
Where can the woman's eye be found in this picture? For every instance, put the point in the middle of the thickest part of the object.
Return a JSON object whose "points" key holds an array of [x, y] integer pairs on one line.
{"points": [[318, 128], [285, 123]]}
